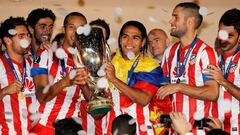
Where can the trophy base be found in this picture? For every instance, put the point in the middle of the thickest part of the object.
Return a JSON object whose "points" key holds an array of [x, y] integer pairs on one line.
{"points": [[99, 106]]}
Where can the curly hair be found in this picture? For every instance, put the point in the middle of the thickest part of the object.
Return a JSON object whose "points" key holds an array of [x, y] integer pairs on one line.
{"points": [[10, 23], [231, 18], [39, 13]]}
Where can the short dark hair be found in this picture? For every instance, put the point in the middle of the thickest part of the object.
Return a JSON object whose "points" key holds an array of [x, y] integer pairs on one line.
{"points": [[231, 18], [122, 125], [193, 10], [73, 14], [102, 23], [39, 13], [10, 23], [67, 126], [141, 28]]}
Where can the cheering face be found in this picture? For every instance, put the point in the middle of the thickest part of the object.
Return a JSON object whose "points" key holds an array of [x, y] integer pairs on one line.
{"points": [[17, 44], [131, 40], [230, 44], [178, 23], [73, 22], [43, 30]]}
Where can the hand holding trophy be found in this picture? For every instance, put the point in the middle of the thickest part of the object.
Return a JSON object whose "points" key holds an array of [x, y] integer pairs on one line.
{"points": [[92, 53]]}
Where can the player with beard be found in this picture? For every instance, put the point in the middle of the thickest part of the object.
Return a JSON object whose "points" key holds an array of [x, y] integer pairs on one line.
{"points": [[228, 73], [40, 24], [184, 61], [62, 98], [17, 91]]}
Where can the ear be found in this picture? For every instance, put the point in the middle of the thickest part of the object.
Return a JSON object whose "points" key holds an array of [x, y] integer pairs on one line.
{"points": [[144, 41], [31, 30], [191, 21], [63, 29], [167, 41], [7, 40]]}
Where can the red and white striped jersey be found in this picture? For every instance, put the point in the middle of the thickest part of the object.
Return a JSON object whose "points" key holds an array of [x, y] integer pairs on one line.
{"points": [[89, 124], [66, 103], [199, 58], [230, 119], [14, 114], [144, 77]]}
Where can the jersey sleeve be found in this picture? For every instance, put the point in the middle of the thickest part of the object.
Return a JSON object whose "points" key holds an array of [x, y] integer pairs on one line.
{"points": [[41, 62], [208, 57]]}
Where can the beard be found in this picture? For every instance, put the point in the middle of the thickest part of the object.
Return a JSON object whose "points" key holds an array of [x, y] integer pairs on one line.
{"points": [[178, 34], [40, 39]]}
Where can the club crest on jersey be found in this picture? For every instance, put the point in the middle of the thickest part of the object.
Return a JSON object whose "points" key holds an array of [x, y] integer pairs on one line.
{"points": [[193, 59], [36, 59], [233, 68]]}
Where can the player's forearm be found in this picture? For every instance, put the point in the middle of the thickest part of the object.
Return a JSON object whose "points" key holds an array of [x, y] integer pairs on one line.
{"points": [[44, 96], [87, 92], [136, 95], [231, 88], [2, 93], [207, 92]]}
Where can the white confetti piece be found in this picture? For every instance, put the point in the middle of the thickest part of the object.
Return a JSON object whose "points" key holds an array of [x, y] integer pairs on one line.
{"points": [[130, 55], [223, 34], [61, 54], [203, 11], [102, 83], [24, 43], [111, 41]]}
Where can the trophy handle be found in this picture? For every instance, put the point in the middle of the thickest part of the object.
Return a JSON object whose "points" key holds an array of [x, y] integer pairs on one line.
{"points": [[77, 59]]}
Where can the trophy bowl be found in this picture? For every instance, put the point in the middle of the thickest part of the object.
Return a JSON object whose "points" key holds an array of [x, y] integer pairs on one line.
{"points": [[93, 54]]}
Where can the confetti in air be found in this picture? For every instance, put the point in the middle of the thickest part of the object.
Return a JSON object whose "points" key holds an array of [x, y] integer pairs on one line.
{"points": [[86, 30], [132, 121], [12, 32], [143, 128], [81, 132], [35, 117], [198, 115], [227, 105], [101, 72], [72, 74], [203, 11], [118, 12], [72, 50], [223, 34], [46, 89], [33, 108], [80, 30], [24, 43], [130, 55], [102, 83], [60, 53], [62, 11], [24, 113], [153, 20], [54, 46], [111, 41]]}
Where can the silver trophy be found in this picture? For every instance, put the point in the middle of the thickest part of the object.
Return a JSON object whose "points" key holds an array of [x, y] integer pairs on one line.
{"points": [[93, 53]]}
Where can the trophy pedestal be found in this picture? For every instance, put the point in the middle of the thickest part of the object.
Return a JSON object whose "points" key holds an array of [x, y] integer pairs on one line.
{"points": [[99, 106]]}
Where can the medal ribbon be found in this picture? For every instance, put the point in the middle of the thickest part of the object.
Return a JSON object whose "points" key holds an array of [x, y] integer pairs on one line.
{"points": [[14, 70]]}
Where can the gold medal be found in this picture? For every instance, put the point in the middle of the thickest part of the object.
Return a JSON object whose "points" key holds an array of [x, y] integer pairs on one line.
{"points": [[21, 95]]}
